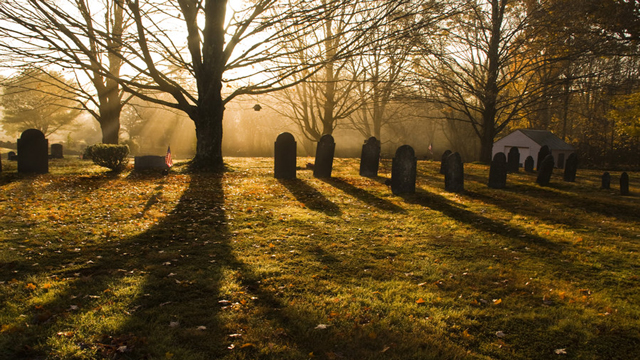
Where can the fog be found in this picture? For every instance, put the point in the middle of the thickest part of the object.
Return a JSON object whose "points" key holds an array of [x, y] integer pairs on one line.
{"points": [[149, 130]]}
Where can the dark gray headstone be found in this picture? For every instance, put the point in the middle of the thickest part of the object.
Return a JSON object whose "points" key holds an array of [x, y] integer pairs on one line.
{"points": [[606, 180], [513, 160], [150, 162], [56, 151], [12, 156], [454, 175], [545, 170], [571, 168], [443, 162], [542, 154], [324, 157], [498, 171], [33, 152], [528, 164], [284, 162], [624, 184], [403, 171], [370, 158]]}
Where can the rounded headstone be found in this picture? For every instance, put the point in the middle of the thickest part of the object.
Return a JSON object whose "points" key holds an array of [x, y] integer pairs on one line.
{"points": [[285, 157], [498, 172], [403, 171]]}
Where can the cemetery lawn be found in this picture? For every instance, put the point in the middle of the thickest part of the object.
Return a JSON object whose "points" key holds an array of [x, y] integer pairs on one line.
{"points": [[244, 266]]}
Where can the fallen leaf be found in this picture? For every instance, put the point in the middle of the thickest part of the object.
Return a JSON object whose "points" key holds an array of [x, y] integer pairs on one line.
{"points": [[560, 351], [497, 301], [30, 286], [420, 301], [201, 328], [246, 345], [322, 326], [500, 334], [174, 324]]}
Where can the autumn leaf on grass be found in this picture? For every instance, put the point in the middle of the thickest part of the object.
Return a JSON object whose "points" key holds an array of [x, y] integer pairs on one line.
{"points": [[322, 326], [420, 301], [497, 301], [30, 286]]}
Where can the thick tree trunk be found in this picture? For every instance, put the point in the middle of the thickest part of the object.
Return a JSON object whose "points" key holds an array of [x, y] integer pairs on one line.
{"points": [[110, 124], [208, 121]]}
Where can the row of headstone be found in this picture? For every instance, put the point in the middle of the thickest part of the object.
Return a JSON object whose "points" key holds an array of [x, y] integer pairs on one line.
{"points": [[624, 182], [404, 165]]}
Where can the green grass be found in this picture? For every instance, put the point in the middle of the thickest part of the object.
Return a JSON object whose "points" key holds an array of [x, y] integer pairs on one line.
{"points": [[95, 265]]}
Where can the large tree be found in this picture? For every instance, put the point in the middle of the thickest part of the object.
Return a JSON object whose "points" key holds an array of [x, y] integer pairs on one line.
{"points": [[35, 99], [215, 45], [482, 73], [81, 35]]}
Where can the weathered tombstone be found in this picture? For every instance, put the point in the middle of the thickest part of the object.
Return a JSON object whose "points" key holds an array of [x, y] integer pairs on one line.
{"points": [[150, 162], [498, 172], [33, 152], [403, 171], [454, 175], [528, 164], [571, 168], [624, 184], [284, 162], [56, 151], [324, 157], [606, 180], [542, 154], [12, 156], [370, 158], [443, 162], [545, 170], [513, 161]]}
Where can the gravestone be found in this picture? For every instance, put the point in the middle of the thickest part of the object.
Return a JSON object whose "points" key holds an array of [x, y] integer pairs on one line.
{"points": [[542, 154], [528, 164], [33, 152], [571, 168], [403, 171], [498, 172], [12, 156], [370, 158], [56, 151], [443, 161], [454, 175], [624, 184], [606, 180], [545, 170], [513, 162], [324, 157], [284, 162], [150, 162]]}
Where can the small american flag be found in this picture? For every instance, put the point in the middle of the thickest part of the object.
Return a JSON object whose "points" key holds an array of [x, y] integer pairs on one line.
{"points": [[167, 158]]}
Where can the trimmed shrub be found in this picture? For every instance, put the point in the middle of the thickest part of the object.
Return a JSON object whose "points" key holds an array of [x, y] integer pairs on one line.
{"points": [[110, 156]]}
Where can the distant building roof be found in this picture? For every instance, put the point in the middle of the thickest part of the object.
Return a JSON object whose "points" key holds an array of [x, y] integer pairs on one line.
{"points": [[544, 137]]}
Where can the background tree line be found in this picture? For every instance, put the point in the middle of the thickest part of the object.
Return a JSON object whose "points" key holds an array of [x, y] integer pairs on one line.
{"points": [[455, 74]]}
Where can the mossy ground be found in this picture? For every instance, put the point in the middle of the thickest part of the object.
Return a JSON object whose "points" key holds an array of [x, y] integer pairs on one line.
{"points": [[96, 265]]}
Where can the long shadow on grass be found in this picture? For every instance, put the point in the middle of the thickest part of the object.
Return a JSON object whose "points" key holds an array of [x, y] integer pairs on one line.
{"points": [[513, 195], [310, 197], [364, 195], [479, 222]]}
